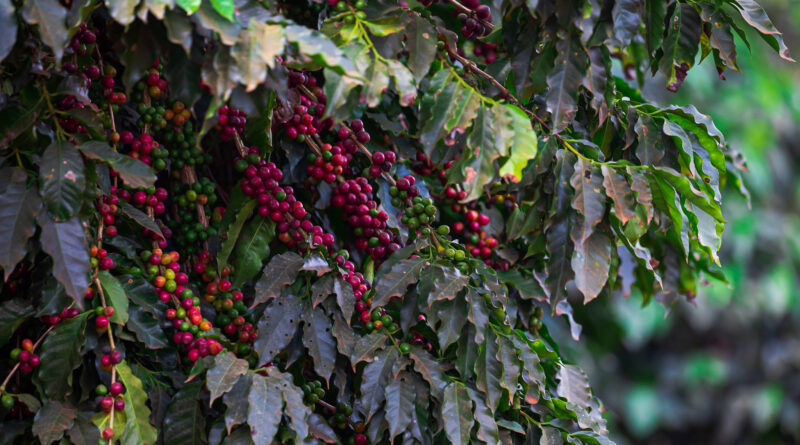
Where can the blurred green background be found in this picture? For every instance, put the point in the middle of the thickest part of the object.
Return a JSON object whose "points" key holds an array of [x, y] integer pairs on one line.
{"points": [[726, 369]]}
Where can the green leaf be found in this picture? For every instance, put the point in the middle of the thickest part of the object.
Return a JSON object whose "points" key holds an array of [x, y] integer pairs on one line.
{"points": [[457, 414], [320, 342], [591, 262], [377, 81], [522, 143], [755, 15], [65, 242], [138, 429], [277, 326], [116, 297], [680, 45], [654, 15], [394, 282], [573, 385], [435, 109], [564, 82], [265, 406], [384, 26], [207, 17], [446, 283], [508, 357], [145, 325], [650, 149], [319, 48], [18, 209], [225, 373], [619, 190], [140, 218], [179, 32], [296, 410], [50, 16], [668, 201], [364, 348], [453, 316], [374, 379], [686, 189], [61, 180], [13, 313], [342, 93], [485, 145], [185, 422], [252, 249], [123, 11], [400, 394], [592, 438], [487, 425], [403, 83], [233, 232], [551, 436], [132, 171], [319, 428], [190, 6], [53, 420], [83, 431], [589, 200], [8, 28], [626, 20], [559, 247], [60, 355], [532, 372], [224, 8], [421, 46], [280, 272], [489, 371]]}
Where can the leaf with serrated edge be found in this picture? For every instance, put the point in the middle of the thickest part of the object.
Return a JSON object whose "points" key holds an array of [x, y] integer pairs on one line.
{"points": [[236, 414], [60, 355], [225, 373], [564, 82], [280, 272], [591, 262], [366, 346], [61, 180], [373, 381], [573, 385], [589, 201], [431, 370], [116, 297], [487, 425], [395, 282], [618, 189]]}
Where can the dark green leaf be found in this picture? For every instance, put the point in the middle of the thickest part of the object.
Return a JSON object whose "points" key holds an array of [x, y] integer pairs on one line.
{"points": [[280, 272], [115, 296], [13, 313], [376, 376], [680, 44], [138, 429], [277, 326], [589, 201], [179, 29], [489, 371], [232, 233], [145, 325], [226, 371], [320, 342], [366, 346], [573, 385], [61, 180], [421, 46], [509, 359], [400, 395], [626, 20], [559, 247], [50, 16], [60, 355], [237, 412], [83, 431], [296, 410], [487, 425], [655, 13], [590, 261], [18, 209], [619, 190], [564, 82], [53, 420], [315, 45], [123, 10], [457, 414], [133, 172], [65, 242], [755, 15], [265, 406], [185, 423], [252, 249], [394, 282], [431, 370], [319, 428], [140, 218]]}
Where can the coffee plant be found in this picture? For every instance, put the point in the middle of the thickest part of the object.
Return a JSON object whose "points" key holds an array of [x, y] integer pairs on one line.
{"points": [[341, 221]]}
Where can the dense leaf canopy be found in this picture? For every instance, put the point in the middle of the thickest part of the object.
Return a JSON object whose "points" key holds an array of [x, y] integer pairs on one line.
{"points": [[344, 221]]}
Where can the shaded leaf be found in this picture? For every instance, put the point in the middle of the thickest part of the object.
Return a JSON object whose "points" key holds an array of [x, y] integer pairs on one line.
{"points": [[61, 179], [185, 422], [53, 420], [374, 379], [457, 414], [320, 342], [252, 249], [140, 218], [400, 394], [277, 326], [393, 283], [489, 371], [132, 171], [280, 272], [8, 28], [487, 425], [50, 15], [13, 313], [680, 45], [146, 327], [617, 188], [115, 297], [366, 346], [237, 412], [626, 20], [573, 385], [421, 46], [589, 201], [265, 407], [564, 82], [591, 261], [60, 355], [18, 209], [755, 15], [559, 247], [232, 235]]}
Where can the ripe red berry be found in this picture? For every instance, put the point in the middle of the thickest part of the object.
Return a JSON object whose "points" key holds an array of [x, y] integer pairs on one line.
{"points": [[101, 322], [108, 433]]}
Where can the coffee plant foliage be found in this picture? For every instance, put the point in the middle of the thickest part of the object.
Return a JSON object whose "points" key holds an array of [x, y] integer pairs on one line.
{"points": [[257, 221]]}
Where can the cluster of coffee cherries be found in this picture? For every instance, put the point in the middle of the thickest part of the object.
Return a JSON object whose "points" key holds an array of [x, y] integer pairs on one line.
{"points": [[188, 229], [18, 280], [151, 197], [378, 319], [305, 121], [70, 124], [359, 208], [330, 164], [107, 208], [145, 149], [80, 44], [27, 359], [180, 141], [486, 50], [230, 121], [114, 98], [341, 5], [100, 259], [110, 398], [153, 84], [65, 314], [102, 318]]}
